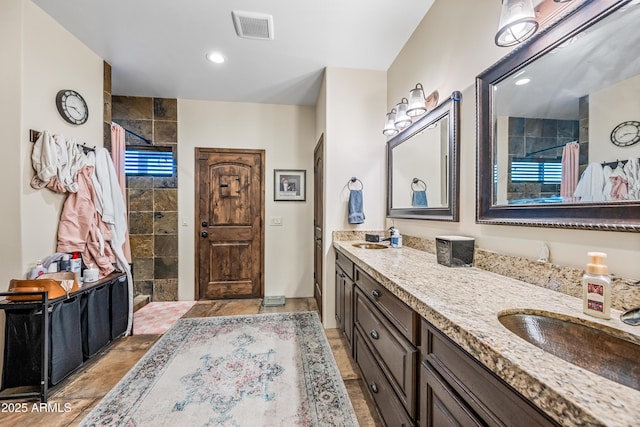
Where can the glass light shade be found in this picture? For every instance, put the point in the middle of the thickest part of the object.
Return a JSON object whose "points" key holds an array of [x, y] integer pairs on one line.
{"points": [[390, 124], [417, 103], [402, 119], [517, 22]]}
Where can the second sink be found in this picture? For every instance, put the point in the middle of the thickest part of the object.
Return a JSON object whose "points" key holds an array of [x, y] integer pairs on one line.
{"points": [[370, 246], [590, 348]]}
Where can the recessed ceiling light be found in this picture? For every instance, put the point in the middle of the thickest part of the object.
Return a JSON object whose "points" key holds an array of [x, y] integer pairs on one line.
{"points": [[215, 57], [522, 82]]}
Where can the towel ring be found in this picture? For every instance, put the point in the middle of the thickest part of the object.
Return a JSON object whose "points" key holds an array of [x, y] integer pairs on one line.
{"points": [[354, 180], [418, 181]]}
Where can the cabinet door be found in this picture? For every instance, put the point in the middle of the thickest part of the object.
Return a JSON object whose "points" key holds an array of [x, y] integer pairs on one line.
{"points": [[339, 307], [440, 406]]}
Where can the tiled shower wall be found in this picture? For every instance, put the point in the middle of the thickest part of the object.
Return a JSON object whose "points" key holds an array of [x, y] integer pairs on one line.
{"points": [[152, 201]]}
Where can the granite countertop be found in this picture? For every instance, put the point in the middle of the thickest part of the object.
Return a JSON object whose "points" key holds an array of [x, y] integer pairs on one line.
{"points": [[465, 302]]}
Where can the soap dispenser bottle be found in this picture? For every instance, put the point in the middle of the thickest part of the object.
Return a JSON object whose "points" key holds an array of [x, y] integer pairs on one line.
{"points": [[596, 287]]}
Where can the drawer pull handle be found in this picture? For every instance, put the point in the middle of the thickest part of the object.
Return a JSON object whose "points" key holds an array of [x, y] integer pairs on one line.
{"points": [[376, 293], [373, 387], [374, 334]]}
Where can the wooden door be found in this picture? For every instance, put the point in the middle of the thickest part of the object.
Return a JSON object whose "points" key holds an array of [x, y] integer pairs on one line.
{"points": [[230, 223], [318, 207]]}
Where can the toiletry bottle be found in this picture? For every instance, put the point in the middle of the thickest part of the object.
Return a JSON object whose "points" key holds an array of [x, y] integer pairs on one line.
{"points": [[37, 270], [64, 264], [76, 265], [596, 287], [396, 238]]}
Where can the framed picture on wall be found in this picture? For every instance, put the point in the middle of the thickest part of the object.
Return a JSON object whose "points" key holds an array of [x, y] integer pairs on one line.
{"points": [[289, 185]]}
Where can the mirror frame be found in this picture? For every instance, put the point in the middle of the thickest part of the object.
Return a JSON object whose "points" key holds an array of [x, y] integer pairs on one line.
{"points": [[609, 216], [450, 107]]}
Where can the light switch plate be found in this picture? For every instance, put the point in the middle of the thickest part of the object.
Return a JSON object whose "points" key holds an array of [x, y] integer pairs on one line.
{"points": [[275, 221]]}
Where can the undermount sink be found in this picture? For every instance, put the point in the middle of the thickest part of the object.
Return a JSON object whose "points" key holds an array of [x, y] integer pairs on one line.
{"points": [[370, 246], [590, 348]]}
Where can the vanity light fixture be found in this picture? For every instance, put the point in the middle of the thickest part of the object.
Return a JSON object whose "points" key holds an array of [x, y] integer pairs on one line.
{"points": [[417, 102], [402, 119], [517, 22], [390, 124]]}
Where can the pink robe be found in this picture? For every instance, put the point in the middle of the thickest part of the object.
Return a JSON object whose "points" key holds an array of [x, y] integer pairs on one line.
{"points": [[81, 227]]}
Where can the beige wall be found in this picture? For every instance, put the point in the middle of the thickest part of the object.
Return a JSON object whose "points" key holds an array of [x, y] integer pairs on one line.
{"points": [[48, 58], [11, 19], [354, 147], [287, 134], [450, 47]]}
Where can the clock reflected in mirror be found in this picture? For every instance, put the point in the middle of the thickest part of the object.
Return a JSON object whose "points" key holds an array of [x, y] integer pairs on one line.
{"points": [[72, 107], [626, 134]]}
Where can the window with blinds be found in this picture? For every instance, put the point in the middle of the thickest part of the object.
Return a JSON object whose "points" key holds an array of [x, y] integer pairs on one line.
{"points": [[150, 161], [542, 171]]}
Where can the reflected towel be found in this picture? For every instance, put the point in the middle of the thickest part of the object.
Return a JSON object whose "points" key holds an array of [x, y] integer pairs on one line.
{"points": [[419, 199], [356, 214]]}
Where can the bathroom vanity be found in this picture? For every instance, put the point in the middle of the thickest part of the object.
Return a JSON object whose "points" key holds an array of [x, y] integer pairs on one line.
{"points": [[433, 352]]}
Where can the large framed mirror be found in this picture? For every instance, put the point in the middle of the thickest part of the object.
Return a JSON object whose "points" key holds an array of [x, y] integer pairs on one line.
{"points": [[559, 125], [423, 165]]}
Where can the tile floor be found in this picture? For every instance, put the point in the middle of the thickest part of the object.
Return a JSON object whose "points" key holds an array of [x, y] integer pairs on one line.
{"points": [[75, 397]]}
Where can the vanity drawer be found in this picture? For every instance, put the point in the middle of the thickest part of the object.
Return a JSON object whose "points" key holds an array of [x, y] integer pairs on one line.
{"points": [[389, 406], [487, 395], [400, 314], [397, 357], [345, 264]]}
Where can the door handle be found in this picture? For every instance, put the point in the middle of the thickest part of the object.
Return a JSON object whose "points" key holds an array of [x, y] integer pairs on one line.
{"points": [[374, 334], [204, 234], [373, 387], [205, 224], [376, 293]]}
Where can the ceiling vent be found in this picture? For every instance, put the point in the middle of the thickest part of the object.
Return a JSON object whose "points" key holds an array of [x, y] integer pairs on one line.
{"points": [[253, 25]]}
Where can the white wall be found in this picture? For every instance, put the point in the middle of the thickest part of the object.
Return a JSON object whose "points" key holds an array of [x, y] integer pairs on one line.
{"points": [[452, 45], [50, 59], [287, 134], [354, 147], [603, 119], [11, 23]]}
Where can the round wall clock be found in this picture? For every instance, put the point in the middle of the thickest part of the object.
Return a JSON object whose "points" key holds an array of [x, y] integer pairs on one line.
{"points": [[72, 106], [626, 134]]}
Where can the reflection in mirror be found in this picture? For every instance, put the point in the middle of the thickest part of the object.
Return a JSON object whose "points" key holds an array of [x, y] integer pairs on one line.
{"points": [[423, 166], [420, 168], [560, 124]]}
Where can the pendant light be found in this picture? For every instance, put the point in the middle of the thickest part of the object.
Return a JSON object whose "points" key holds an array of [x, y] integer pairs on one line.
{"points": [[402, 119], [517, 22], [417, 103], [390, 124]]}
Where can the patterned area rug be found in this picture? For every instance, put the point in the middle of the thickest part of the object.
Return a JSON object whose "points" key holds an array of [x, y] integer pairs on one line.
{"points": [[157, 317], [259, 370]]}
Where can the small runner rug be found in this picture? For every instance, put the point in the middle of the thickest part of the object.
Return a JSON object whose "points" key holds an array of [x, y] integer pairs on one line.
{"points": [[260, 370], [157, 317]]}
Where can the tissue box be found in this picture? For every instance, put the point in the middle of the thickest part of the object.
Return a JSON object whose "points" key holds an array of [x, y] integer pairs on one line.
{"points": [[455, 251]]}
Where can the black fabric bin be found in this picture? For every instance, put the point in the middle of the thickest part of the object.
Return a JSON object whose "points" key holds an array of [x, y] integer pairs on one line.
{"points": [[119, 306], [24, 338], [95, 320], [23, 347], [66, 341]]}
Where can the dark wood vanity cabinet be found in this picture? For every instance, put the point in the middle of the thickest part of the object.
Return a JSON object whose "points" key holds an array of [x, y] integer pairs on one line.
{"points": [[344, 297], [456, 390], [385, 331], [414, 372]]}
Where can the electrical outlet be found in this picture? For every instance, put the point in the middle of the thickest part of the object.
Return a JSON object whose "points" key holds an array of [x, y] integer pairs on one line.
{"points": [[275, 221]]}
